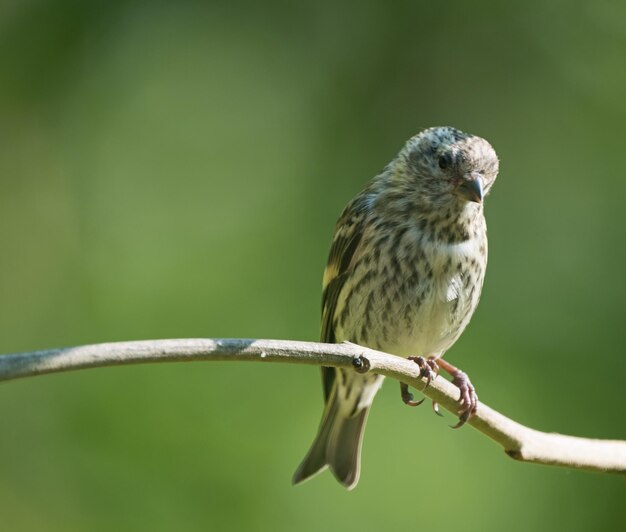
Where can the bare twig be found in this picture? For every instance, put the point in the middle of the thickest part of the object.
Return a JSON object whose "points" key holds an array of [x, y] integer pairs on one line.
{"points": [[519, 442]]}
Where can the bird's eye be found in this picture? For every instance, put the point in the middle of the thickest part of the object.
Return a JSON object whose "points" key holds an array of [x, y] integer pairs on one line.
{"points": [[445, 161]]}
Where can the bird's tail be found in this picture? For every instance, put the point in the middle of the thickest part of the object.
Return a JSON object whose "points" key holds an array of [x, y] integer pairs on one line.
{"points": [[337, 445]]}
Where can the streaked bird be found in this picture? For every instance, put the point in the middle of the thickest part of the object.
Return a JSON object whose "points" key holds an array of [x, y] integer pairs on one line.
{"points": [[404, 276]]}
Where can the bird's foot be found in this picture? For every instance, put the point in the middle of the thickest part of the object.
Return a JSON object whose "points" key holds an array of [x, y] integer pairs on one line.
{"points": [[407, 397], [468, 398], [430, 370]]}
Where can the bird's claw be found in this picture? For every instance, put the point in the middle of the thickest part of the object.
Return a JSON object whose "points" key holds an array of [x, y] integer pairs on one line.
{"points": [[468, 398], [407, 396], [428, 368]]}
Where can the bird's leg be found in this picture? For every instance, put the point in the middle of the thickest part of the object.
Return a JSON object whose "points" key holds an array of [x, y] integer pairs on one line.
{"points": [[430, 370], [468, 398]]}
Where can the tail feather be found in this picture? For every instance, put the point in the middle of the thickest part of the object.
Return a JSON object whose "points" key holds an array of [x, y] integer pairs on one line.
{"points": [[337, 445], [344, 450]]}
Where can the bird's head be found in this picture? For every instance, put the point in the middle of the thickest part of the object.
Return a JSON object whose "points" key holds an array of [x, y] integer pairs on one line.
{"points": [[447, 168]]}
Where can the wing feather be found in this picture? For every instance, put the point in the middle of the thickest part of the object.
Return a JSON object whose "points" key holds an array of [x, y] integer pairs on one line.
{"points": [[348, 237]]}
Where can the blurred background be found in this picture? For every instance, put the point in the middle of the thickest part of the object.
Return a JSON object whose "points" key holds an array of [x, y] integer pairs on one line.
{"points": [[175, 169]]}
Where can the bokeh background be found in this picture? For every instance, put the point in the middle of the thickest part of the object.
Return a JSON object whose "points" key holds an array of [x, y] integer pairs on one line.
{"points": [[175, 169]]}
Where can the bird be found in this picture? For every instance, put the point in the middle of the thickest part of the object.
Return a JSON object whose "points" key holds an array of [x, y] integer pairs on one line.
{"points": [[404, 276]]}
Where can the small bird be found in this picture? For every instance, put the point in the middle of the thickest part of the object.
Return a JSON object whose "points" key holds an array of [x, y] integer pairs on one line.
{"points": [[404, 276]]}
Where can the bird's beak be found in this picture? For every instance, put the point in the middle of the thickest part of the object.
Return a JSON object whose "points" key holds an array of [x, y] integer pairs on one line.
{"points": [[471, 187]]}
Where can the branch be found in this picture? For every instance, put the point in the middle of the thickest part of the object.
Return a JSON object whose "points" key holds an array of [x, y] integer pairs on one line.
{"points": [[519, 442]]}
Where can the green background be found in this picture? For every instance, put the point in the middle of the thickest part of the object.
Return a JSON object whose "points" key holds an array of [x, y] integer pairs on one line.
{"points": [[175, 169]]}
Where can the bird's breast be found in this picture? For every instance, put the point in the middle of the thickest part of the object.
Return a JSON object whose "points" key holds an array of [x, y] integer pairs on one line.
{"points": [[418, 298]]}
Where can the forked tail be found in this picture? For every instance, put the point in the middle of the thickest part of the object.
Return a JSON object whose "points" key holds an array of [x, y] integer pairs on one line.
{"points": [[337, 445]]}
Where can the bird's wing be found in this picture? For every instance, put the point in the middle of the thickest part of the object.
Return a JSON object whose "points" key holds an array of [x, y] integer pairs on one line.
{"points": [[345, 247]]}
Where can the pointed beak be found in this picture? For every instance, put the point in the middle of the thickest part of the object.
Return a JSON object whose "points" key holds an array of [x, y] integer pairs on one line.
{"points": [[471, 187]]}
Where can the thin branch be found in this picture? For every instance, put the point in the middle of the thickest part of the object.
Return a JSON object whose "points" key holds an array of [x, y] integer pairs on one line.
{"points": [[518, 441]]}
